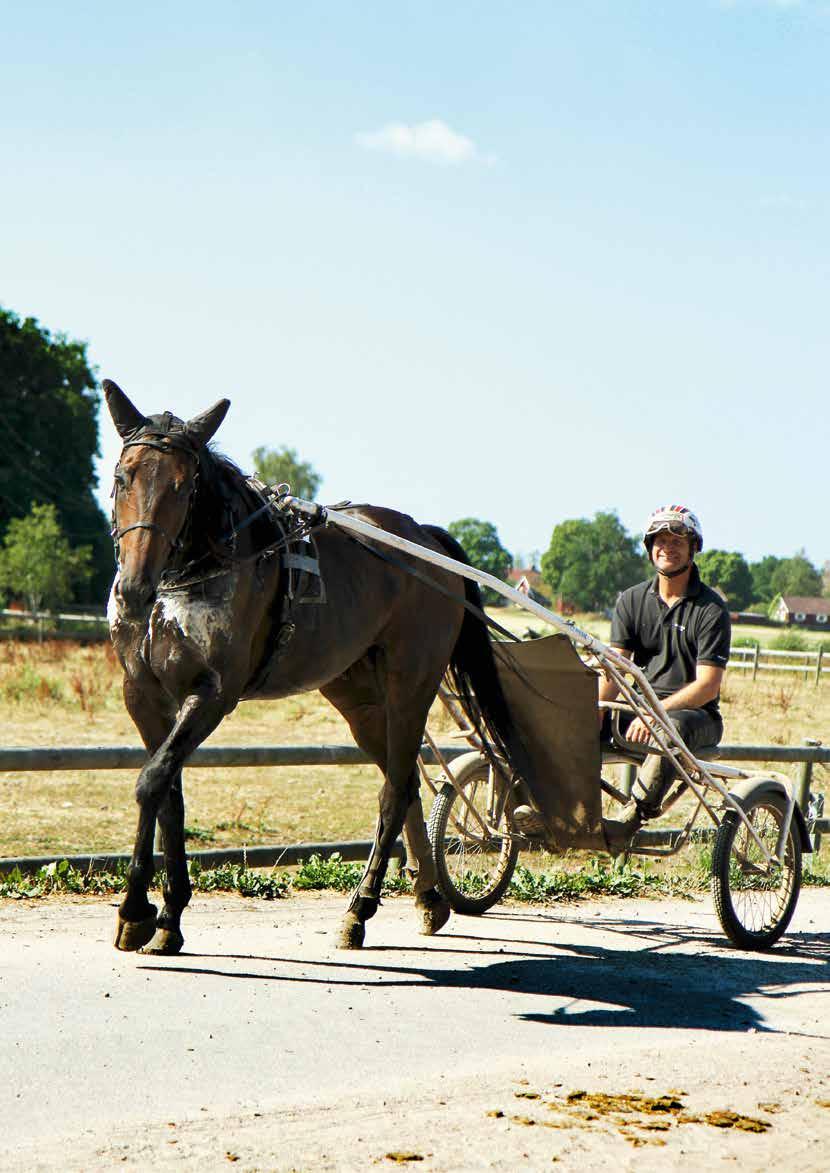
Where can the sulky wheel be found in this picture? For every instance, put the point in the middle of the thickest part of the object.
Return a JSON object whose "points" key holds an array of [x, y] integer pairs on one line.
{"points": [[755, 901], [474, 863]]}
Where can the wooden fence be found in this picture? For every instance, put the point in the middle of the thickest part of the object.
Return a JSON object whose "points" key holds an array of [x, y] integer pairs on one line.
{"points": [[119, 757], [53, 625], [810, 665]]}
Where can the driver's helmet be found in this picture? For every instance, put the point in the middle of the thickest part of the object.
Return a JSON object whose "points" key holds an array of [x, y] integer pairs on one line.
{"points": [[676, 518]]}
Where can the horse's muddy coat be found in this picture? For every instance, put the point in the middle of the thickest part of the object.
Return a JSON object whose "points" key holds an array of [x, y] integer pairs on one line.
{"points": [[195, 642]]}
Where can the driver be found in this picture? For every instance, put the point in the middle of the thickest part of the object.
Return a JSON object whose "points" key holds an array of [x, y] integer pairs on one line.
{"points": [[677, 630]]}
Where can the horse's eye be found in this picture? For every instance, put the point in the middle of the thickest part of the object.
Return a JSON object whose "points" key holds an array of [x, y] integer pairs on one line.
{"points": [[120, 479]]}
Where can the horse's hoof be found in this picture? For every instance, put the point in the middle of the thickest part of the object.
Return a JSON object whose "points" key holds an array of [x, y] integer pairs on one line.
{"points": [[352, 933], [165, 943], [434, 915], [133, 934]]}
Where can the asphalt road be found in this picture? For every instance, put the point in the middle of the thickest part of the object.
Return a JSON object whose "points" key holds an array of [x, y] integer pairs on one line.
{"points": [[265, 1047]]}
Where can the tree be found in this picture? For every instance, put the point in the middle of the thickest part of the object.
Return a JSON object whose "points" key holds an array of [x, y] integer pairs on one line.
{"points": [[589, 562], [797, 576], [49, 408], [762, 572], [729, 572], [277, 466], [37, 562], [482, 546]]}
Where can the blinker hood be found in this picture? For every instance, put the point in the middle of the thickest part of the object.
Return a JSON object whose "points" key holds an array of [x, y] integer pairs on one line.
{"points": [[165, 430]]}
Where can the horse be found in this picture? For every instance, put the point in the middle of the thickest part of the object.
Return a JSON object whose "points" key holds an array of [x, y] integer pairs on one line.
{"points": [[204, 612]]}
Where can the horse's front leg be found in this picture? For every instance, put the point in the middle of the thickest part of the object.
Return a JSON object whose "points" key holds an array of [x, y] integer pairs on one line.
{"points": [[158, 794]]}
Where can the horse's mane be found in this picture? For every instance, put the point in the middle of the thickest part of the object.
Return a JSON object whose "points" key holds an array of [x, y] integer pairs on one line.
{"points": [[222, 499]]}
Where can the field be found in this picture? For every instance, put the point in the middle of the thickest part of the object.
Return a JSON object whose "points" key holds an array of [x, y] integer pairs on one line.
{"points": [[64, 694]]}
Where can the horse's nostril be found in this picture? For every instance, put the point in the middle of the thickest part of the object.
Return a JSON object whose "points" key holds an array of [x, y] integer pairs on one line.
{"points": [[135, 597]]}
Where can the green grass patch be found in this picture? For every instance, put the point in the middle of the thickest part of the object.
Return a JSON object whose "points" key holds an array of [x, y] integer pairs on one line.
{"points": [[598, 877]]}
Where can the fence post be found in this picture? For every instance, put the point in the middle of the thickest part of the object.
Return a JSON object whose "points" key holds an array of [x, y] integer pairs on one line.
{"points": [[818, 664], [755, 659], [805, 776]]}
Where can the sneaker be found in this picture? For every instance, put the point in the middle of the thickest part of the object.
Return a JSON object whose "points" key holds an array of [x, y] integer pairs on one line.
{"points": [[529, 821], [619, 832]]}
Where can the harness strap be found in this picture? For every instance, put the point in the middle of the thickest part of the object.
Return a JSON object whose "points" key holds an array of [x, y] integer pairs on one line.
{"points": [[175, 543]]}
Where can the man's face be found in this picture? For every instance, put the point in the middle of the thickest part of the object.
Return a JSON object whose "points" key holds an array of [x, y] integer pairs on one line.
{"points": [[670, 551]]}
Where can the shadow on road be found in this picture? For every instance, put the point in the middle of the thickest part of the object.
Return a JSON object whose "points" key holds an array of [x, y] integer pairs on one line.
{"points": [[590, 985]]}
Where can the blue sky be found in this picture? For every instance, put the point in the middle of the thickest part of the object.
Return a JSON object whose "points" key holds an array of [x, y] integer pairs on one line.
{"points": [[519, 261]]}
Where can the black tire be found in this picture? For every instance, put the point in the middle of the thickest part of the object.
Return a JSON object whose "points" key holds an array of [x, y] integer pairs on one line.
{"points": [[474, 869], [753, 904]]}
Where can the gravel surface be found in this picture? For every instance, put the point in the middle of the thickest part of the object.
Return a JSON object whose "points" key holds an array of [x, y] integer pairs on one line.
{"points": [[264, 1047]]}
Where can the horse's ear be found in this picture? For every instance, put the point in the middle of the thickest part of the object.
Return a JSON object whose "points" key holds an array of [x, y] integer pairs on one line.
{"points": [[125, 415], [203, 427]]}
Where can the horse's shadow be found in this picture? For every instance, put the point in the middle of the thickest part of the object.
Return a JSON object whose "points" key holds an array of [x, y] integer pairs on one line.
{"points": [[590, 985]]}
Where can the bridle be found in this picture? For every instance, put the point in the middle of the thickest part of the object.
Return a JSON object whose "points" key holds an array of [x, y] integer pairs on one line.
{"points": [[164, 442]]}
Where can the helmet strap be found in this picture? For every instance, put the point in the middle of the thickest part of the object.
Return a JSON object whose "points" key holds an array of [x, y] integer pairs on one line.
{"points": [[672, 573]]}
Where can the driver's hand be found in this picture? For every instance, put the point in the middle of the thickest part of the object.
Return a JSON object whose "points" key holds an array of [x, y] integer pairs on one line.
{"points": [[638, 732]]}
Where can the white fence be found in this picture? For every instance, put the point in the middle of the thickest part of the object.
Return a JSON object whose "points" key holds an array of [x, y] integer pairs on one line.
{"points": [[754, 660]]}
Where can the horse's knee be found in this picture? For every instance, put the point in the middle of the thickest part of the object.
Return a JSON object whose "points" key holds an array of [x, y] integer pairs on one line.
{"points": [[151, 787]]}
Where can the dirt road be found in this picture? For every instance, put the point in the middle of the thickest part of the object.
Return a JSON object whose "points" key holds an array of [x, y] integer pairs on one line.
{"points": [[265, 1047]]}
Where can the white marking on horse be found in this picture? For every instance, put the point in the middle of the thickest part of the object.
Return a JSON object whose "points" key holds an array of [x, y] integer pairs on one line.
{"points": [[202, 624]]}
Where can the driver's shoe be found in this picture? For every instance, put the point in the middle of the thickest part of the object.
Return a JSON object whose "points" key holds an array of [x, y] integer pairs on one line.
{"points": [[529, 822], [619, 832]]}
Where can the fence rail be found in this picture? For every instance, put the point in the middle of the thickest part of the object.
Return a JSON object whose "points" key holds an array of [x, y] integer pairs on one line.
{"points": [[757, 659], [54, 625], [116, 757]]}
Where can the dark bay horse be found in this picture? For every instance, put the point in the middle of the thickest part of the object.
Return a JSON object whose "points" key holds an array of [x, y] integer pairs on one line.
{"points": [[198, 618]]}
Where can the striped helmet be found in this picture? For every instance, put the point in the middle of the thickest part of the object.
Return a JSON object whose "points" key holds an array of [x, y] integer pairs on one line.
{"points": [[676, 518]]}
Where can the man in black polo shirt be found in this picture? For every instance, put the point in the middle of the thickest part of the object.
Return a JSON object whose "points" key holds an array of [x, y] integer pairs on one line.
{"points": [[677, 630]]}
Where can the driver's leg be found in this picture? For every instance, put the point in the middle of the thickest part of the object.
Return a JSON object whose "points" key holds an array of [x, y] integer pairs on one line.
{"points": [[697, 727]]}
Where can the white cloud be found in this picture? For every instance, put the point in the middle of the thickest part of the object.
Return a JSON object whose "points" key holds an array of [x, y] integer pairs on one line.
{"points": [[432, 141]]}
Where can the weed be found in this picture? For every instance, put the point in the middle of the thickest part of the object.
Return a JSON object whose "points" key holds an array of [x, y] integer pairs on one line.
{"points": [[317, 872], [27, 685]]}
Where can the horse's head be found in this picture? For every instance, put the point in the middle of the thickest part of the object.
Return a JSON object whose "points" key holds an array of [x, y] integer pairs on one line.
{"points": [[155, 480]]}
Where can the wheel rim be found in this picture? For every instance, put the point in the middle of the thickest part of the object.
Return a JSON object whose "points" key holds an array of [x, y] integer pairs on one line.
{"points": [[475, 861], [760, 893]]}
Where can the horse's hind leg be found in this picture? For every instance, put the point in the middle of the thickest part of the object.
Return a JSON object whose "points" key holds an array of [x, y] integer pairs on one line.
{"points": [[433, 909], [394, 742]]}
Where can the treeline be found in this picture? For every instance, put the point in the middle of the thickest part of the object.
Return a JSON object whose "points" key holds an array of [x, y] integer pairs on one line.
{"points": [[55, 542], [589, 561], [49, 404]]}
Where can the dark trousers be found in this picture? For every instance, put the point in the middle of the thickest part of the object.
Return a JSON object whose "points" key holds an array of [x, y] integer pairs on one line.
{"points": [[697, 727]]}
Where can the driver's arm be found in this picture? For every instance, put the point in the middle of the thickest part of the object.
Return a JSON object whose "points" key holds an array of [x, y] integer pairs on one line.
{"points": [[608, 690], [704, 688]]}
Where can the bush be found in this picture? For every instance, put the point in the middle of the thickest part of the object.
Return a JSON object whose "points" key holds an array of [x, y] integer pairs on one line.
{"points": [[791, 641], [745, 641]]}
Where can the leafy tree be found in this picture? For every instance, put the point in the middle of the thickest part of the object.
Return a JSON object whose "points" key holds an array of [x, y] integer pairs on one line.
{"points": [[730, 573], [589, 562], [49, 407], [37, 562], [482, 546], [762, 572], [278, 466], [797, 576]]}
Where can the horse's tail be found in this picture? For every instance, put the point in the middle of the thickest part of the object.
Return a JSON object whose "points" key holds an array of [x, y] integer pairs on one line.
{"points": [[472, 670]]}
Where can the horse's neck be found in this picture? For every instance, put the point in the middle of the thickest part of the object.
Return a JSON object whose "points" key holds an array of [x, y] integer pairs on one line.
{"points": [[213, 506]]}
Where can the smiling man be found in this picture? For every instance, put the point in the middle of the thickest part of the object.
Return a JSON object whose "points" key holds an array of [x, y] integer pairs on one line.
{"points": [[677, 630]]}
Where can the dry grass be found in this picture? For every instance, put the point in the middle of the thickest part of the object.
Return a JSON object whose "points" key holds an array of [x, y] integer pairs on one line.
{"points": [[64, 694]]}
